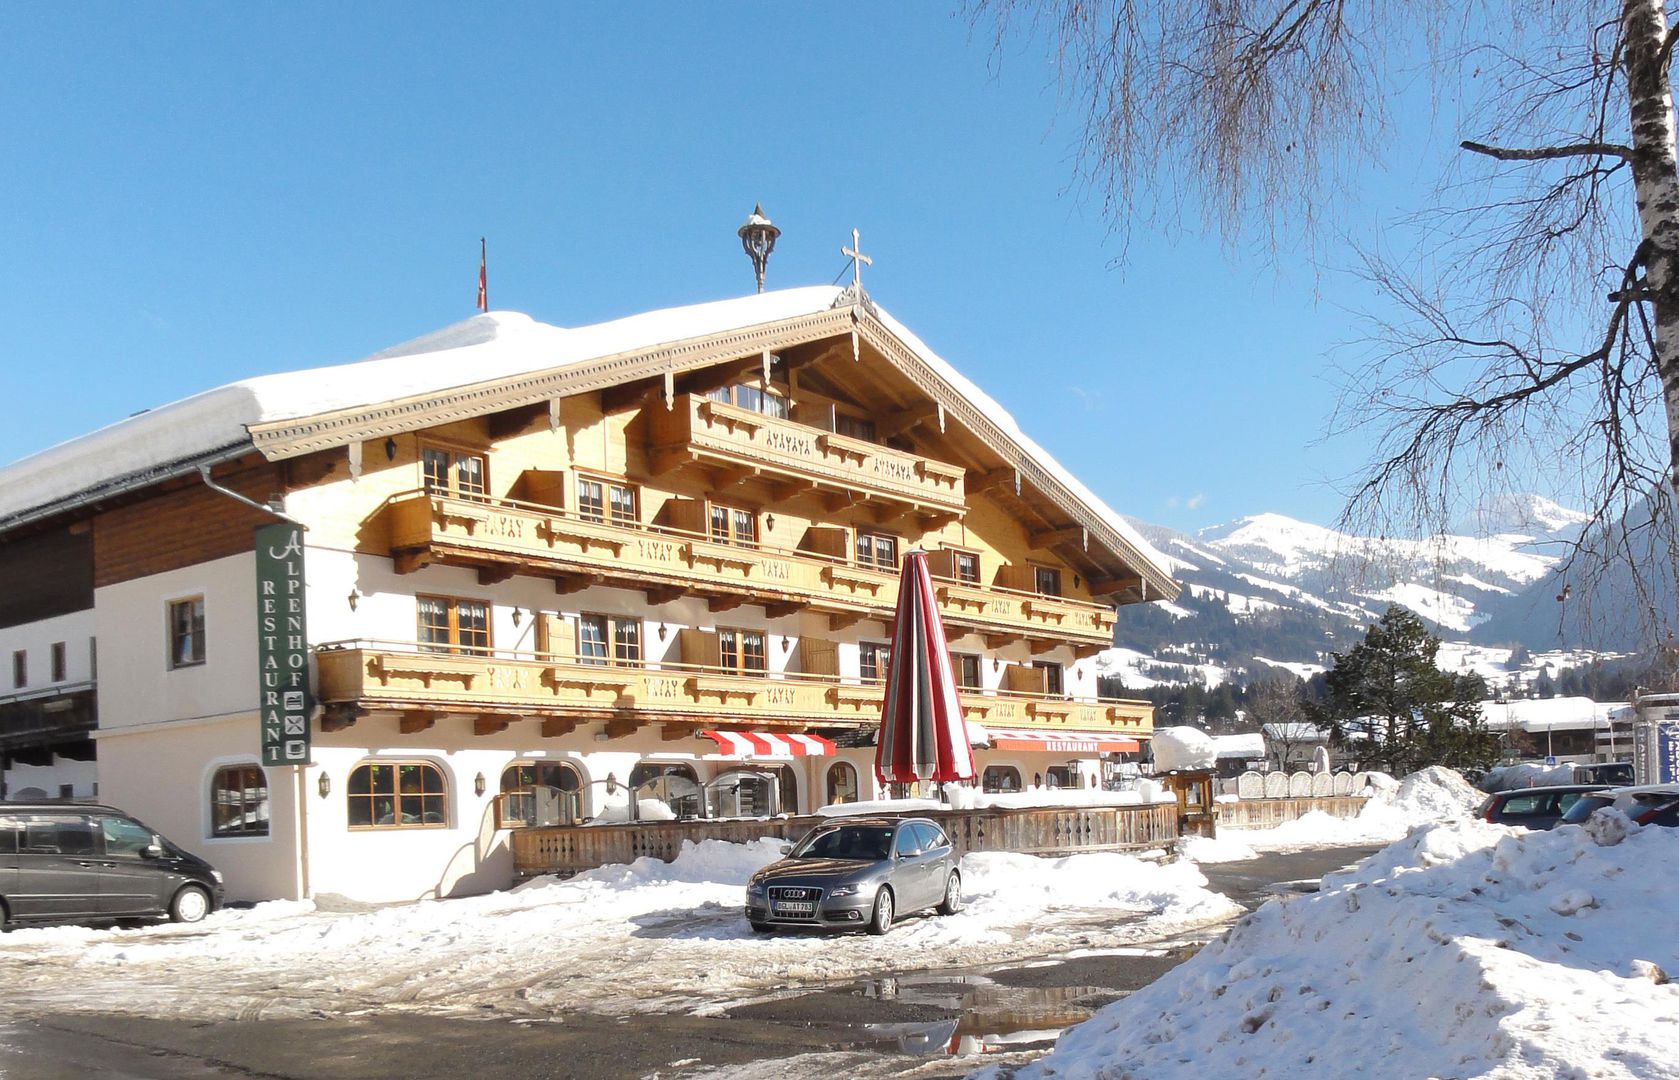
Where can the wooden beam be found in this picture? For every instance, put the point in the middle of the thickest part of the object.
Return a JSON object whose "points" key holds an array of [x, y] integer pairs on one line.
{"points": [[736, 476], [664, 594], [1085, 652], [841, 620], [724, 603], [412, 723], [555, 726], [495, 575], [629, 395], [999, 641], [669, 458], [782, 609], [1105, 586], [1039, 646], [566, 584], [617, 729], [677, 732], [515, 421], [835, 501], [905, 419], [1005, 479], [1066, 534], [339, 715], [490, 725], [409, 561]]}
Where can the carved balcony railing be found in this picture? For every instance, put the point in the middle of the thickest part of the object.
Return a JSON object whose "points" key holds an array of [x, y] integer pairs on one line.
{"points": [[502, 537], [700, 430], [496, 687]]}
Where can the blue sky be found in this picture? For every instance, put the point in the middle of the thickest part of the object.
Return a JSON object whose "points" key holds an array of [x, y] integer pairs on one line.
{"points": [[198, 193]]}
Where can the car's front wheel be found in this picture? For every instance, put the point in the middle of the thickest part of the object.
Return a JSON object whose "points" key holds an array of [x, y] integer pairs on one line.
{"points": [[881, 920], [191, 904], [952, 902]]}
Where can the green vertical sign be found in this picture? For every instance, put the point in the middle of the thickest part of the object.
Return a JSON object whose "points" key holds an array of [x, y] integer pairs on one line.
{"points": [[282, 645]]}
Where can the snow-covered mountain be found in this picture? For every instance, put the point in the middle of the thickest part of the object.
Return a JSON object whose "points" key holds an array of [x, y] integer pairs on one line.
{"points": [[1270, 593]]}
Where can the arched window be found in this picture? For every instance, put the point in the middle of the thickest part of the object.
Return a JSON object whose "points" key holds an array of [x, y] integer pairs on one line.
{"points": [[397, 795], [744, 793], [842, 782], [239, 801], [673, 783], [539, 793], [1001, 778], [787, 798]]}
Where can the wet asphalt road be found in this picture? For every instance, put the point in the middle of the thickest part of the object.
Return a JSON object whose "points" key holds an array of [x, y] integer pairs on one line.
{"points": [[883, 1025]]}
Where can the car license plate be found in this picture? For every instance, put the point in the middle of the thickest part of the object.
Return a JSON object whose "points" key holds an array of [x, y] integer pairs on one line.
{"points": [[795, 908]]}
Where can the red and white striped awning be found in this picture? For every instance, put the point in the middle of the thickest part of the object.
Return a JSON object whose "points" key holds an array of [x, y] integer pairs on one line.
{"points": [[763, 744], [1062, 742]]}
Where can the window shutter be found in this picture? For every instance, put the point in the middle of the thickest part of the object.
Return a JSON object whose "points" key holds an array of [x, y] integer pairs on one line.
{"points": [[685, 514], [942, 563], [818, 657], [698, 648], [1023, 679], [1017, 576], [830, 540], [555, 637]]}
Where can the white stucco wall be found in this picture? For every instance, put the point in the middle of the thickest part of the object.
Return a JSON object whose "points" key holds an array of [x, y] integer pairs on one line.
{"points": [[36, 640]]}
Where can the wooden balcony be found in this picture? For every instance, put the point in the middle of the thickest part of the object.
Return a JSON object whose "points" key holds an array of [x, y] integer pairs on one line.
{"points": [[496, 688], [699, 430], [503, 537]]}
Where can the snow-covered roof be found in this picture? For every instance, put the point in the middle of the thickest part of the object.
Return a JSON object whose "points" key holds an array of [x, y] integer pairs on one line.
{"points": [[482, 349], [1247, 745], [1549, 714]]}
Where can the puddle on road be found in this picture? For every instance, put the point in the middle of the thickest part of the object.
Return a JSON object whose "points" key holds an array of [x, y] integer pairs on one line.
{"points": [[990, 1016]]}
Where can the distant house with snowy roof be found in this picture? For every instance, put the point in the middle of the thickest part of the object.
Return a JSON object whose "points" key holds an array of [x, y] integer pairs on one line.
{"points": [[1571, 729], [513, 574]]}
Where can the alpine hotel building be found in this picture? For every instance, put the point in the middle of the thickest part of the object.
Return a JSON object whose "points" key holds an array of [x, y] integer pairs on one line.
{"points": [[543, 568]]}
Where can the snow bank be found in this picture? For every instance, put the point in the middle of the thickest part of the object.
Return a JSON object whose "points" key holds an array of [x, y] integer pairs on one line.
{"points": [[1432, 795], [1210, 849], [1464, 950], [1183, 748]]}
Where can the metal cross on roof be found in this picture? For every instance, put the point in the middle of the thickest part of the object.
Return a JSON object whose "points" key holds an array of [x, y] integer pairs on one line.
{"points": [[855, 254]]}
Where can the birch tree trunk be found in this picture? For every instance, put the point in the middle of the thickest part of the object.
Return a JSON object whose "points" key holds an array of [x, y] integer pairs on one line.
{"points": [[1655, 170]]}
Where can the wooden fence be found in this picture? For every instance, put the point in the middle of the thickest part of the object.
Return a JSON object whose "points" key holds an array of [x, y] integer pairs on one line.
{"points": [[569, 849]]}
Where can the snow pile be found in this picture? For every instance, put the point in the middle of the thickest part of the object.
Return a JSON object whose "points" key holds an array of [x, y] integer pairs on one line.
{"points": [[1210, 849], [617, 813], [1465, 950], [1526, 774], [1183, 748], [1098, 879], [1434, 794], [704, 861]]}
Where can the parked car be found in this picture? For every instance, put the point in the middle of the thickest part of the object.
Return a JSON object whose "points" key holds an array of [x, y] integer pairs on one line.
{"points": [[68, 862], [1604, 772], [1534, 807], [1647, 804], [858, 873]]}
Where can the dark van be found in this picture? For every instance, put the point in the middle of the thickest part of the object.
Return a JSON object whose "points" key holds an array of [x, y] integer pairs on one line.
{"points": [[67, 862]]}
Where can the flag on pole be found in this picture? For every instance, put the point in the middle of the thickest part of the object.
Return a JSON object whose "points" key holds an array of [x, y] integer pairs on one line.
{"points": [[483, 276]]}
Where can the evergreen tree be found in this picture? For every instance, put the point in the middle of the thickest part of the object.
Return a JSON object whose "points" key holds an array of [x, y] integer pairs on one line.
{"points": [[1391, 707]]}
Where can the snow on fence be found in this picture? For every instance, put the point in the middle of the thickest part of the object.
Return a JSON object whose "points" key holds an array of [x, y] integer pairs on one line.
{"points": [[1264, 800], [569, 849]]}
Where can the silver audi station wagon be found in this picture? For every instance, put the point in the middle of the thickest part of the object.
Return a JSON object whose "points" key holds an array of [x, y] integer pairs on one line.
{"points": [[858, 873]]}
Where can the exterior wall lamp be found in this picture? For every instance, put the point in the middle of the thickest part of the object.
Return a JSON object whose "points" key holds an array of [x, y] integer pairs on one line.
{"points": [[517, 616], [390, 449], [324, 785], [355, 595], [478, 784]]}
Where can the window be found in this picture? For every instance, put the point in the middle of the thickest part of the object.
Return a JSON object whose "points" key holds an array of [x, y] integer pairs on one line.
{"points": [[20, 669], [675, 785], [931, 837], [966, 564], [742, 651], [1061, 776], [125, 839], [450, 625], [239, 801], [397, 795], [842, 783], [64, 836], [999, 779], [732, 525], [908, 843], [608, 637], [854, 427], [878, 550], [753, 398], [60, 665], [451, 472], [539, 793], [1052, 678], [1046, 581], [186, 632], [873, 658], [967, 670], [597, 498]]}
